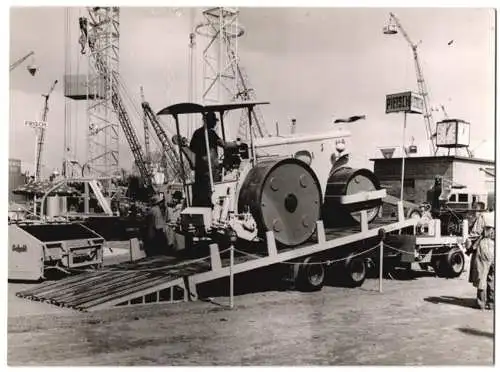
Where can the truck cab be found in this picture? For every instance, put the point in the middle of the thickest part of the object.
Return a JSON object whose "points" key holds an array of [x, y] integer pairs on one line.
{"points": [[466, 199], [454, 204]]}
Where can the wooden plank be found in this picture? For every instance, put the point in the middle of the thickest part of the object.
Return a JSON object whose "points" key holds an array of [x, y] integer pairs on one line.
{"points": [[138, 282], [92, 280], [66, 291], [60, 283], [105, 292], [99, 288], [161, 286], [119, 293]]}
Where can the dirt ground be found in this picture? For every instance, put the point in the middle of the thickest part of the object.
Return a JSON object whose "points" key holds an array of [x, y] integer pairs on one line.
{"points": [[424, 321]]}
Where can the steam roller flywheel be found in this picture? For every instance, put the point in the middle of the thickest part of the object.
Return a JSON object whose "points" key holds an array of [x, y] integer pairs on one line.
{"points": [[349, 181], [283, 196]]}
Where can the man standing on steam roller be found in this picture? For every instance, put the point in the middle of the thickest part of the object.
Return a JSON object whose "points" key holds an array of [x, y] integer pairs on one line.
{"points": [[202, 193]]}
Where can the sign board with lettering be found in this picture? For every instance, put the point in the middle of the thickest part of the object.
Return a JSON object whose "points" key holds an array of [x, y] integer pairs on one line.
{"points": [[35, 123], [25, 254], [408, 102], [19, 248]]}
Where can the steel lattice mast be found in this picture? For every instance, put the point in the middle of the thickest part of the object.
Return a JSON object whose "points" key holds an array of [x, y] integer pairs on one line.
{"points": [[223, 77], [102, 116], [111, 79]]}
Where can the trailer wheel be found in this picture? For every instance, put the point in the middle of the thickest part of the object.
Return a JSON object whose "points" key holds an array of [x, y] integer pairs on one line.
{"points": [[414, 213], [355, 270], [437, 264], [310, 275], [455, 263]]}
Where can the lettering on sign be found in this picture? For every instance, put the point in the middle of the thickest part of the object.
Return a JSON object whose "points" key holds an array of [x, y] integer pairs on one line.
{"points": [[35, 123], [19, 248], [404, 102]]}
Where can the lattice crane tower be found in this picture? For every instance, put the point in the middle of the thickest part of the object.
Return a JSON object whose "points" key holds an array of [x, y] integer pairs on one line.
{"points": [[102, 118], [223, 78]]}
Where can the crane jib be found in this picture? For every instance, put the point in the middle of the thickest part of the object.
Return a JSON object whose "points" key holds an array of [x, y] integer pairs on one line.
{"points": [[124, 119]]}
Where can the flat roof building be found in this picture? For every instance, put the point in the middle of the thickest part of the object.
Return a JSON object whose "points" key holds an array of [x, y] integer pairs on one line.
{"points": [[421, 171]]}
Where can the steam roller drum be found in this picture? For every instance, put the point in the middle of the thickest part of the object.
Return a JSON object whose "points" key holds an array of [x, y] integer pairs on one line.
{"points": [[283, 196], [349, 181]]}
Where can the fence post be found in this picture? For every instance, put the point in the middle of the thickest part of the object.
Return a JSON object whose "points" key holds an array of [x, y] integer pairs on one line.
{"points": [[381, 266], [231, 276]]}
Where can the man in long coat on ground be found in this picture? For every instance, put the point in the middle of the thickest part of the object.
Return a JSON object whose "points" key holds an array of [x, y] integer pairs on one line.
{"points": [[157, 240], [482, 267]]}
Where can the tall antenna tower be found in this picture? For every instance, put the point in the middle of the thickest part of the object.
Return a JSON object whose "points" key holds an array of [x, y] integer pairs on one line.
{"points": [[220, 55], [223, 78], [102, 118]]}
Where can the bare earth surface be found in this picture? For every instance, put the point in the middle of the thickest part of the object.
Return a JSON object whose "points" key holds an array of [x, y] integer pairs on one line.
{"points": [[425, 321]]}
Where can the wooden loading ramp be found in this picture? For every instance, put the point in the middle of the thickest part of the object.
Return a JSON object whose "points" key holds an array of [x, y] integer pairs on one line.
{"points": [[155, 279], [169, 279]]}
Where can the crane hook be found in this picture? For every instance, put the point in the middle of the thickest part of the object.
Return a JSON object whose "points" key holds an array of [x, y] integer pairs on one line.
{"points": [[83, 37], [81, 40]]}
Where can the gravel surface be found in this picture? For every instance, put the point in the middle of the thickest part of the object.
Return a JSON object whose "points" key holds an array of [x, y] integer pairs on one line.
{"points": [[424, 321]]}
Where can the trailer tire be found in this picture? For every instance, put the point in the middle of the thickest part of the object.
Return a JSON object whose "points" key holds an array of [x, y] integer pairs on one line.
{"points": [[437, 264], [454, 263], [355, 270], [310, 275], [414, 213]]}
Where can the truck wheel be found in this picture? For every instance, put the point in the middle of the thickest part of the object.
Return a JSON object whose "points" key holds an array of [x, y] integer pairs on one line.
{"points": [[310, 275], [437, 264], [414, 213], [355, 271], [455, 263]]}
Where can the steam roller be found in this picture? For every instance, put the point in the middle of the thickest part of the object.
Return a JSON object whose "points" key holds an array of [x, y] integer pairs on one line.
{"points": [[347, 182], [283, 196]]}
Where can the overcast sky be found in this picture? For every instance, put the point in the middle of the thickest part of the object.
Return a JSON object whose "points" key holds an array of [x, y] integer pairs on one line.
{"points": [[312, 64]]}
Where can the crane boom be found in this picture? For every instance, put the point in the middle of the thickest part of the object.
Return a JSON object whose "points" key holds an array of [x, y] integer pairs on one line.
{"points": [[173, 160], [444, 112], [21, 60], [422, 87], [41, 136], [246, 93], [147, 148], [118, 105]]}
